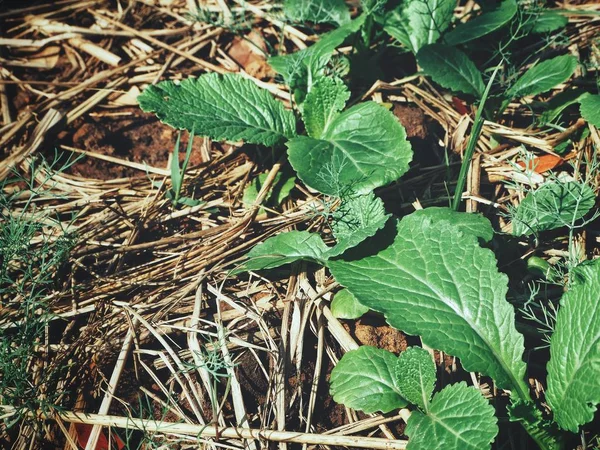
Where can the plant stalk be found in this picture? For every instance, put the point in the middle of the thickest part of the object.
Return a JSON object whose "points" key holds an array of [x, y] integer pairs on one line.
{"points": [[477, 126]]}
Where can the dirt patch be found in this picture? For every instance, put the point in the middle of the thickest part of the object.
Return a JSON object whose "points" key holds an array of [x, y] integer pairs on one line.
{"points": [[413, 120], [136, 137], [371, 331]]}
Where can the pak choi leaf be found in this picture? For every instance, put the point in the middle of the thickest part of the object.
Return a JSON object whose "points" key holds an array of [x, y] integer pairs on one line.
{"points": [[222, 107], [286, 248], [557, 104], [553, 205], [548, 21], [301, 69], [280, 190], [363, 148], [437, 282], [317, 11], [364, 380], [473, 224], [451, 68], [357, 218], [323, 104], [544, 76], [345, 306], [416, 23], [590, 109], [486, 23], [458, 418], [415, 376], [574, 368]]}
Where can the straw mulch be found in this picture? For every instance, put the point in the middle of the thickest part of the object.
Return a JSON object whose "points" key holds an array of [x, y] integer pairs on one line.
{"points": [[146, 307]]}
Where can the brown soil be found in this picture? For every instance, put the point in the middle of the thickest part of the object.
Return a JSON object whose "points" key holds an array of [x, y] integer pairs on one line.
{"points": [[136, 137], [375, 332], [413, 119]]}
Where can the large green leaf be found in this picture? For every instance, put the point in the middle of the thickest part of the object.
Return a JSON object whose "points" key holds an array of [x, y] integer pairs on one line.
{"points": [[451, 68], [416, 23], [222, 107], [458, 418], [544, 76], [301, 69], [286, 248], [345, 306], [317, 11], [363, 148], [486, 23], [437, 282], [364, 380], [357, 218], [574, 368], [415, 376], [323, 104], [553, 205], [474, 224], [590, 109]]}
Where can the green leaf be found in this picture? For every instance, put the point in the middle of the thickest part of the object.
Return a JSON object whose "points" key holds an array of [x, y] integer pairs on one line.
{"points": [[553, 205], [415, 376], [437, 282], [222, 107], [486, 23], [473, 224], [544, 76], [548, 21], [458, 418], [176, 176], [416, 23], [451, 68], [323, 104], [301, 69], [530, 418], [357, 218], [364, 380], [574, 368], [317, 11], [590, 109], [286, 248], [345, 306], [280, 190], [364, 148], [557, 104]]}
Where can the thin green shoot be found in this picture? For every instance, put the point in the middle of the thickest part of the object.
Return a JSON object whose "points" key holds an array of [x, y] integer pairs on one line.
{"points": [[477, 126]]}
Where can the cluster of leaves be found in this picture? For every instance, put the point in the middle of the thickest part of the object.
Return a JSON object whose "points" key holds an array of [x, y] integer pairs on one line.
{"points": [[372, 379], [429, 273]]}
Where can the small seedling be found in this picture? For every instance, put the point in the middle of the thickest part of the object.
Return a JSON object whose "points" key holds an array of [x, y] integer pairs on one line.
{"points": [[178, 174]]}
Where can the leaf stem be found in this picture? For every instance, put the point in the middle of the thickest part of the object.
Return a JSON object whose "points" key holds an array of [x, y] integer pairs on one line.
{"points": [[477, 126]]}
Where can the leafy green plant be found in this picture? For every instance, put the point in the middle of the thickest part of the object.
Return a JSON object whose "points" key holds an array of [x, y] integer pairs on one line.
{"points": [[424, 27], [371, 379], [429, 273], [553, 205], [317, 11]]}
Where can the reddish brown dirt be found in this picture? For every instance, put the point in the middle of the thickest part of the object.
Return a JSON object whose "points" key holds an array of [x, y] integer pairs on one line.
{"points": [[249, 52], [413, 120], [371, 331], [136, 137]]}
